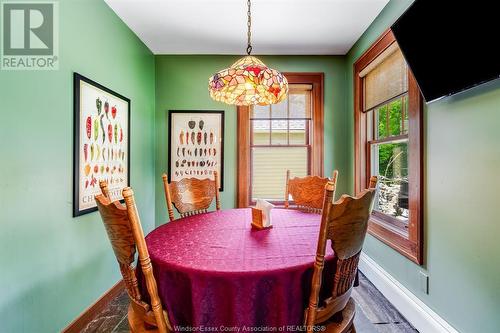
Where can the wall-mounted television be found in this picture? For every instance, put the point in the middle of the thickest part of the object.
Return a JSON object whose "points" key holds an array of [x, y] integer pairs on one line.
{"points": [[450, 46]]}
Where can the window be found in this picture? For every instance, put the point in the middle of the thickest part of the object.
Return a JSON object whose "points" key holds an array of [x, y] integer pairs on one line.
{"points": [[280, 140], [388, 117], [275, 138]]}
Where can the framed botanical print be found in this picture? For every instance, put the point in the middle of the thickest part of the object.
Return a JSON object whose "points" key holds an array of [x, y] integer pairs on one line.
{"points": [[196, 145], [101, 143]]}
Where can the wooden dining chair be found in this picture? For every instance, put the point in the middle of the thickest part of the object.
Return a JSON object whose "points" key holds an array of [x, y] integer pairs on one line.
{"points": [[191, 196], [344, 223], [124, 230], [307, 192]]}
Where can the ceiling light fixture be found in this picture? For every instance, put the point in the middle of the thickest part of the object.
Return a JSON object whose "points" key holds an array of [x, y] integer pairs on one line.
{"points": [[248, 81]]}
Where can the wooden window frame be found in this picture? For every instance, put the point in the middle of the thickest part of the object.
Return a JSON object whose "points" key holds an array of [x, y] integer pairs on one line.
{"points": [[243, 127], [410, 245]]}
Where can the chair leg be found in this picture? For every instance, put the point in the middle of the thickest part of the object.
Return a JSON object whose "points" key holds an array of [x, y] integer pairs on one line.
{"points": [[137, 323]]}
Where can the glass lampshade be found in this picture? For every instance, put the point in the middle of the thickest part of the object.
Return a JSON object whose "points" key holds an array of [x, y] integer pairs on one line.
{"points": [[248, 82]]}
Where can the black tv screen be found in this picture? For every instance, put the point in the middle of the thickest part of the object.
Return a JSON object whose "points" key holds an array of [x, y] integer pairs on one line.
{"points": [[450, 46]]}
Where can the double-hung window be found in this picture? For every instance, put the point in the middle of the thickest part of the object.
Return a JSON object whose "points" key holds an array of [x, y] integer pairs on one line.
{"points": [[279, 137], [385, 106], [388, 144], [280, 140]]}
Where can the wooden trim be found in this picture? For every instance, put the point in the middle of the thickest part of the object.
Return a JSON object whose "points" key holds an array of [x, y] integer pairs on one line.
{"points": [[393, 239], [416, 160], [90, 313], [411, 246], [379, 46], [317, 151], [394, 223], [389, 139], [317, 80], [243, 150]]}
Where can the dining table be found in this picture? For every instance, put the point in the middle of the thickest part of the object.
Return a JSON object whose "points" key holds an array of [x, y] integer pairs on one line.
{"points": [[215, 272]]}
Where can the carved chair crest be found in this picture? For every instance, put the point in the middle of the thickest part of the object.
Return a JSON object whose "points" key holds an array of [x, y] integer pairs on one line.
{"points": [[307, 192], [191, 196]]}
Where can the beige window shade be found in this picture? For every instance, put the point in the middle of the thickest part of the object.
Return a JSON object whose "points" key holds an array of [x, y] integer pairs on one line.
{"points": [[269, 166], [385, 80]]}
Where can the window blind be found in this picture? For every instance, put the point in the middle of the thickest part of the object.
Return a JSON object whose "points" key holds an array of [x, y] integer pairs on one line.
{"points": [[385, 80]]}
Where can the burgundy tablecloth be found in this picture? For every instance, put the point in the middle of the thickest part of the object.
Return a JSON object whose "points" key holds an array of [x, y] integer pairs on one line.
{"points": [[213, 270]]}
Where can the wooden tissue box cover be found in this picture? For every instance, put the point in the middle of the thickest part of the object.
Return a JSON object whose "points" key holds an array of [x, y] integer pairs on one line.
{"points": [[257, 219]]}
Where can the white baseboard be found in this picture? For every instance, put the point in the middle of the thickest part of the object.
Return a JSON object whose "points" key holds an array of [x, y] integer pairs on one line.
{"points": [[423, 318]]}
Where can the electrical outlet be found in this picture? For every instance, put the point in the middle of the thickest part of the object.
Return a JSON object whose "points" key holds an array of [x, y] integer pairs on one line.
{"points": [[424, 282]]}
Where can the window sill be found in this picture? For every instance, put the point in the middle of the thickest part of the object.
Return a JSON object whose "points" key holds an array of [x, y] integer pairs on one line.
{"points": [[393, 237], [391, 223]]}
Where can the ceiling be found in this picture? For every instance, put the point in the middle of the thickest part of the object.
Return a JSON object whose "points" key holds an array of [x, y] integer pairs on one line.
{"points": [[219, 26]]}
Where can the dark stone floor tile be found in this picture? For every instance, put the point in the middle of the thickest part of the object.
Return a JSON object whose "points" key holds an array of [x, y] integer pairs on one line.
{"points": [[111, 316], [103, 324], [375, 306], [122, 326], [361, 323], [395, 328]]}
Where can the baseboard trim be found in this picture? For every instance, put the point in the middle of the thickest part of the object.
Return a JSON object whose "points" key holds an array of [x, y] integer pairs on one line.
{"points": [[88, 314], [423, 318]]}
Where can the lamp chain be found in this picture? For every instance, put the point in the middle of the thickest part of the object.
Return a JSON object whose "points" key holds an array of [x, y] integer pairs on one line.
{"points": [[249, 34]]}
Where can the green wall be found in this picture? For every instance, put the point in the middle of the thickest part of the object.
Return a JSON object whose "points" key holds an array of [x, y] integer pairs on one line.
{"points": [[462, 159], [181, 83], [54, 266]]}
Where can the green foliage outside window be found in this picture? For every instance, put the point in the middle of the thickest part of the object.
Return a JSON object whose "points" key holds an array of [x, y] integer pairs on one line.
{"points": [[393, 157], [393, 160]]}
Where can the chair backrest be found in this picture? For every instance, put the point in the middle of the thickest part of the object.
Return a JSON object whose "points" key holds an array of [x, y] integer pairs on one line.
{"points": [[344, 223], [124, 230], [191, 196], [307, 192]]}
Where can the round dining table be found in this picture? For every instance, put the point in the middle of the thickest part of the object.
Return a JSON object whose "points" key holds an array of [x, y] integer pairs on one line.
{"points": [[214, 272]]}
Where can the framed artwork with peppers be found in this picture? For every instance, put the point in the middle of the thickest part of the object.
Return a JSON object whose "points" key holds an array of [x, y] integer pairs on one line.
{"points": [[196, 145], [101, 143]]}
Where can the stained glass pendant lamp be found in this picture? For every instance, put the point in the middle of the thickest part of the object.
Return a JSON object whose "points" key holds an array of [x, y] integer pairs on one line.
{"points": [[248, 81]]}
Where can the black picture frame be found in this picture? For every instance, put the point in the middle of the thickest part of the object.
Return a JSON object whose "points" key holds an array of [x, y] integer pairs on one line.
{"points": [[196, 113], [77, 79]]}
